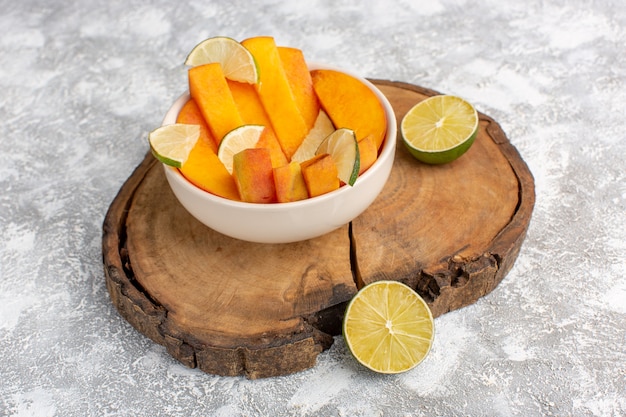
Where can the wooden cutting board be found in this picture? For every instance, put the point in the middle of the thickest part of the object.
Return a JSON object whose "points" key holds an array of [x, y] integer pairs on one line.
{"points": [[230, 307]]}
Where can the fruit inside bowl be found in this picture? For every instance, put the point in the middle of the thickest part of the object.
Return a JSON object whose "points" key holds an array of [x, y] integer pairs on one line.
{"points": [[269, 148]]}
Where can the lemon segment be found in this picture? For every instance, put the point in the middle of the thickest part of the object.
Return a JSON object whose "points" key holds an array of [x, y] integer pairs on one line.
{"points": [[439, 129], [344, 151], [237, 62], [388, 327], [171, 144], [235, 141], [321, 129]]}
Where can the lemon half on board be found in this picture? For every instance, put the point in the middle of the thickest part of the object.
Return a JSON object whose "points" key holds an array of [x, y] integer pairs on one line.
{"points": [[439, 129], [388, 327]]}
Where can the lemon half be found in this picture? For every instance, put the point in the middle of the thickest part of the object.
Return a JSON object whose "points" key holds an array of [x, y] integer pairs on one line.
{"points": [[439, 129]]}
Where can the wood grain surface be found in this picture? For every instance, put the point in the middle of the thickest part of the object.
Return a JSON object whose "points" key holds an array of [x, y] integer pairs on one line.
{"points": [[229, 307]]}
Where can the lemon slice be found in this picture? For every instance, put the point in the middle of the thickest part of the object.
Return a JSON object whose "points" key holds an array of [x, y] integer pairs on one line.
{"points": [[321, 129], [344, 150], [388, 327], [171, 144], [237, 62], [235, 141], [439, 129]]}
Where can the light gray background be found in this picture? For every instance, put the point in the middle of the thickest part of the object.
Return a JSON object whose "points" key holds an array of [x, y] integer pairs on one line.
{"points": [[83, 82]]}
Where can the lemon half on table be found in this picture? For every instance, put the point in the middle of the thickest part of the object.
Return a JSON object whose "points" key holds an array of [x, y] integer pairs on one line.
{"points": [[388, 327]]}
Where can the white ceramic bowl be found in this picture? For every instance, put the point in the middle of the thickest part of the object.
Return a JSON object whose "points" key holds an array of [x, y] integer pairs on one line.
{"points": [[287, 222]]}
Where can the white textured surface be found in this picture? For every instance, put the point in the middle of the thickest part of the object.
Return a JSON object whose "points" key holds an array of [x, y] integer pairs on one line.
{"points": [[82, 84]]}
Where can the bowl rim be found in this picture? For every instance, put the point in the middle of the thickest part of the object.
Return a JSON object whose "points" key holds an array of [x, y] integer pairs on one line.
{"points": [[389, 145]]}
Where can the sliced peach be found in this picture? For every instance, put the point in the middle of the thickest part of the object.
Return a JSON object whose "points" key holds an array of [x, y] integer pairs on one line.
{"points": [[289, 183], [190, 114], [276, 95], [208, 87], [350, 103], [204, 170], [269, 140], [254, 176], [301, 83], [368, 153], [320, 175], [252, 112]]}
